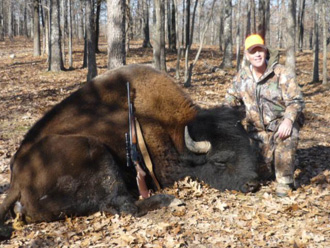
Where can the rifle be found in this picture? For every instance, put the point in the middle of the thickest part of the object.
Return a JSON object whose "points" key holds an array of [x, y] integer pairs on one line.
{"points": [[132, 153]]}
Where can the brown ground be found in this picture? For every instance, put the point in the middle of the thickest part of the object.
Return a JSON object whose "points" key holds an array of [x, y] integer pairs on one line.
{"points": [[209, 218]]}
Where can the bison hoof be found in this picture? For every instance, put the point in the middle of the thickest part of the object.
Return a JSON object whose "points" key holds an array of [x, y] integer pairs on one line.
{"points": [[5, 232]]}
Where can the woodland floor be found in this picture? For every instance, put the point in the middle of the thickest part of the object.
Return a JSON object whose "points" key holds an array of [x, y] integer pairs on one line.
{"points": [[209, 218]]}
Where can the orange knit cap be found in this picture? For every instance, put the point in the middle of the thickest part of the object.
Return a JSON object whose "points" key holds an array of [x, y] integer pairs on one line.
{"points": [[254, 40]]}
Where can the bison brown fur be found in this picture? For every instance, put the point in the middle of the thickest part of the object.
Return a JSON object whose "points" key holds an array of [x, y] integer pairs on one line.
{"points": [[73, 160]]}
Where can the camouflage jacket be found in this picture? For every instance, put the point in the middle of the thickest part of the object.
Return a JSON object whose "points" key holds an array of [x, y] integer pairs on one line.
{"points": [[276, 95]]}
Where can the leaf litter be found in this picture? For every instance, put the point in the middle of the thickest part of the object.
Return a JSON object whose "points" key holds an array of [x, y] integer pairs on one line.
{"points": [[205, 217]]}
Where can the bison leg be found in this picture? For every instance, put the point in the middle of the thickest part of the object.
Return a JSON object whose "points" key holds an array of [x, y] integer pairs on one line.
{"points": [[12, 196]]}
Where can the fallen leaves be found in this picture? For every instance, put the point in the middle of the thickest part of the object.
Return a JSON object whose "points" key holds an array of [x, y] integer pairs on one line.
{"points": [[205, 217]]}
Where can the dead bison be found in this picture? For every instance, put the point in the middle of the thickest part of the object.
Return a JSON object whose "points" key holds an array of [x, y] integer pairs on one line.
{"points": [[73, 161]]}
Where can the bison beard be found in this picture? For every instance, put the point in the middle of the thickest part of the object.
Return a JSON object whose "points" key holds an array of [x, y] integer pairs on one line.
{"points": [[72, 161]]}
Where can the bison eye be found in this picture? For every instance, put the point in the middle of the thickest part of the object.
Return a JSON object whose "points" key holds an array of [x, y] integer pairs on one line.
{"points": [[221, 164], [222, 158]]}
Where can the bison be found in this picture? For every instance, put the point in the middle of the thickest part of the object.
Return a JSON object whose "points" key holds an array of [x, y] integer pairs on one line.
{"points": [[73, 160]]}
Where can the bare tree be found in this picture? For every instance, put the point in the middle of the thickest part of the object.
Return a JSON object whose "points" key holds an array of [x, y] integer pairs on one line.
{"points": [[55, 54], [10, 20], [159, 54], [187, 23], [145, 24], [290, 37], [25, 18], [187, 50], [238, 34], [301, 25], [36, 29], [267, 21], [221, 27], [45, 23], [173, 36], [261, 18], [63, 11], [116, 33], [316, 42], [324, 24], [81, 30], [97, 25], [282, 23], [202, 37], [168, 21], [192, 28], [248, 18], [70, 33], [253, 16], [2, 33], [90, 40], [228, 51]]}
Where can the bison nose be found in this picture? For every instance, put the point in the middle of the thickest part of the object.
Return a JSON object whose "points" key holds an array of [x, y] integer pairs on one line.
{"points": [[250, 186]]}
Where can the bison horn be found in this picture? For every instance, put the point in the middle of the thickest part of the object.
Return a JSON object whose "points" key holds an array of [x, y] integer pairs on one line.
{"points": [[196, 146]]}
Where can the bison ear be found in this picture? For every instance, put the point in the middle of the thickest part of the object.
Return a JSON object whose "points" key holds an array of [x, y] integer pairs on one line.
{"points": [[196, 147]]}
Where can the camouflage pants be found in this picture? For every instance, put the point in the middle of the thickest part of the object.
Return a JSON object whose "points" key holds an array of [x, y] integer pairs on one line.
{"points": [[276, 153]]}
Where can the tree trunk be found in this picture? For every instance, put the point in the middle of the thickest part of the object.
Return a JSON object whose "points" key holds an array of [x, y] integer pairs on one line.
{"points": [[36, 29], [2, 35], [116, 33], [316, 42], [70, 34], [254, 19], [324, 23], [221, 29], [129, 27], [283, 21], [47, 29], [90, 40], [159, 47], [187, 24], [228, 51], [43, 27], [168, 22], [55, 54], [10, 20], [187, 51], [62, 27], [81, 30], [173, 37], [202, 37], [238, 30], [301, 25], [248, 19], [97, 26], [261, 19], [145, 24], [25, 18], [290, 62], [267, 21], [183, 24], [191, 39]]}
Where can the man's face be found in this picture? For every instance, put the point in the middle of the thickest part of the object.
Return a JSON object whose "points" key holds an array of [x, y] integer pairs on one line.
{"points": [[257, 56]]}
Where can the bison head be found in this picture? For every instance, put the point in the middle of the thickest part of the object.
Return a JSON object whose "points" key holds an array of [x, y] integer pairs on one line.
{"points": [[221, 152]]}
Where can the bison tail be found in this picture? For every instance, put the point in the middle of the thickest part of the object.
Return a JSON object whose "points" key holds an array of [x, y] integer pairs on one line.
{"points": [[12, 196], [155, 202]]}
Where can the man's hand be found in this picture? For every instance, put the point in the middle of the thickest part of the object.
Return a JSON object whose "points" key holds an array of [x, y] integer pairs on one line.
{"points": [[284, 130]]}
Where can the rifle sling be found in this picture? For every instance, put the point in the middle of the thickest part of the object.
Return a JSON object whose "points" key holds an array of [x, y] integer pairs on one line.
{"points": [[145, 153]]}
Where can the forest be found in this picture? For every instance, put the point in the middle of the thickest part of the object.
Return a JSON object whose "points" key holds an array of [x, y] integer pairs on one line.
{"points": [[51, 48]]}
